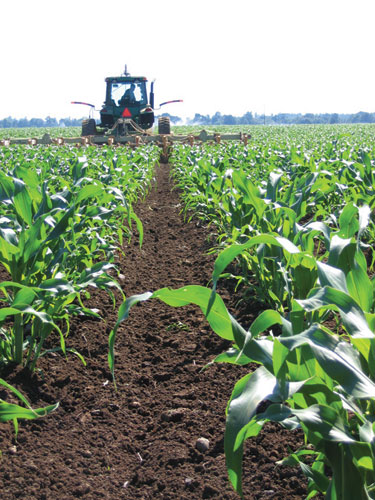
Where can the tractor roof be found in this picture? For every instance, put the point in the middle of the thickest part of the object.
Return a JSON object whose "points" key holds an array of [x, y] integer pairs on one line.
{"points": [[125, 79]]}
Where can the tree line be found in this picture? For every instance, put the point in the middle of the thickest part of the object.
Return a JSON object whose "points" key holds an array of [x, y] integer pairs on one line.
{"points": [[217, 119], [10, 122], [281, 119]]}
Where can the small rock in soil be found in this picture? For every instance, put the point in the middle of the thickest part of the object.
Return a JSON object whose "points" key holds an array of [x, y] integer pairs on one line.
{"points": [[188, 482], [135, 404], [202, 445], [175, 415], [81, 489]]}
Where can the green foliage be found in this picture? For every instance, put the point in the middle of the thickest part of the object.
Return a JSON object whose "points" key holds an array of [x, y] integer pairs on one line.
{"points": [[64, 213]]}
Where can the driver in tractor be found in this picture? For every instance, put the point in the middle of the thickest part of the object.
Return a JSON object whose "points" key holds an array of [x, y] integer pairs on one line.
{"points": [[129, 95]]}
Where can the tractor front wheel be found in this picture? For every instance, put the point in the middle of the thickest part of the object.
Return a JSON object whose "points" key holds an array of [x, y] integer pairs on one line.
{"points": [[88, 127], [164, 125]]}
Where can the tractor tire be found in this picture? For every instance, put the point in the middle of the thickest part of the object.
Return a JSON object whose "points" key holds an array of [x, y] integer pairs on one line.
{"points": [[164, 125], [88, 127]]}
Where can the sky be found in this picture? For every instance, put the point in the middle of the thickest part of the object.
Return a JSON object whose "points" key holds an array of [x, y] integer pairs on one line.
{"points": [[262, 56]]}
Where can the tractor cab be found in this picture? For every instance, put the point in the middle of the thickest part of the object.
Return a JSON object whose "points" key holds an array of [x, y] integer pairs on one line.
{"points": [[126, 97]]}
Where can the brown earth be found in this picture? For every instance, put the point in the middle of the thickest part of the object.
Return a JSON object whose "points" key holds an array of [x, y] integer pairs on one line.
{"points": [[140, 442]]}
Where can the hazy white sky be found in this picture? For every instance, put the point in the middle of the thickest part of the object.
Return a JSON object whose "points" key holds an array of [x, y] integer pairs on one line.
{"points": [[217, 55]]}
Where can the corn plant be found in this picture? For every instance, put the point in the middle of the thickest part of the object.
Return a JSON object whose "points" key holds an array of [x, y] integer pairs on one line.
{"points": [[14, 412]]}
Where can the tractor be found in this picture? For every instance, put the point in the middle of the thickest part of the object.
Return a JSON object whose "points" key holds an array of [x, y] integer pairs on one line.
{"points": [[127, 109]]}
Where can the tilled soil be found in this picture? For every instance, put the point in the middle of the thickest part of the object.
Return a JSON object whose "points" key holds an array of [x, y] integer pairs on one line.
{"points": [[140, 442]]}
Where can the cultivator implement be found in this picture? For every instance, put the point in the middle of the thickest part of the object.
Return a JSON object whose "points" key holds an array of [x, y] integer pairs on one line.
{"points": [[134, 139], [164, 141]]}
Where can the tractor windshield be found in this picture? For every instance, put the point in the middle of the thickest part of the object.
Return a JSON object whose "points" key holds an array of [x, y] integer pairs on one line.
{"points": [[128, 93]]}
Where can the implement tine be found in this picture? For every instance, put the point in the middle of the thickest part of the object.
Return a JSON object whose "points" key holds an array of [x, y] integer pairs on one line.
{"points": [[85, 141]]}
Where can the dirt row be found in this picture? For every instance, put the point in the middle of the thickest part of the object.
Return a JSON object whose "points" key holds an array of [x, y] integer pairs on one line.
{"points": [[141, 441]]}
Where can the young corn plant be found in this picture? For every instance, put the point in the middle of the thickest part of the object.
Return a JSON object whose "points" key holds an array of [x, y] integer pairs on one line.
{"points": [[14, 412], [39, 311]]}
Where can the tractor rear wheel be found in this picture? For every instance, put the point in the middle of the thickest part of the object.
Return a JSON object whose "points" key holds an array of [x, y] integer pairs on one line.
{"points": [[88, 127], [164, 125]]}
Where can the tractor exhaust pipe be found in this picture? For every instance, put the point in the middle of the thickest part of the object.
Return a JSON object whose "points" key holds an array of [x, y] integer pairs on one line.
{"points": [[152, 99]]}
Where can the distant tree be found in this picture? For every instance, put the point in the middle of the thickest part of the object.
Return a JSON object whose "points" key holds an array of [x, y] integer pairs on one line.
{"points": [[8, 122], [246, 119], [229, 120], [51, 122], [363, 117], [217, 119], [36, 122], [200, 119], [23, 122], [334, 118]]}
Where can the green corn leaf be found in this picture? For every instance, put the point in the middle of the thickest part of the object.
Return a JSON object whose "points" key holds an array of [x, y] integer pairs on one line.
{"points": [[6, 187], [217, 316], [247, 394], [139, 225], [346, 482], [8, 311], [10, 411], [15, 391], [323, 228], [89, 191], [363, 456], [33, 240], [360, 287], [123, 314], [341, 253], [22, 202], [272, 185], [57, 286], [279, 356], [325, 421], [231, 252], [232, 356], [260, 351], [348, 221], [61, 226], [320, 480], [331, 276], [338, 359], [8, 244], [24, 296], [364, 220], [265, 320], [352, 315]]}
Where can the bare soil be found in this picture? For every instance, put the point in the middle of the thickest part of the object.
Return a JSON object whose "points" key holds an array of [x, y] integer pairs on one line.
{"points": [[140, 442]]}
